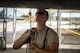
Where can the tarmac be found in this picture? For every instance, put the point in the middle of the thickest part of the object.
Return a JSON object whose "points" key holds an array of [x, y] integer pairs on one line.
{"points": [[70, 43]]}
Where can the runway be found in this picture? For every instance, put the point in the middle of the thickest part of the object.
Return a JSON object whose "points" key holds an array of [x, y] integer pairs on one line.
{"points": [[70, 42]]}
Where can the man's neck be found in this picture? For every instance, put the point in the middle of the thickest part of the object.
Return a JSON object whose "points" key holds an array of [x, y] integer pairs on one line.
{"points": [[40, 26]]}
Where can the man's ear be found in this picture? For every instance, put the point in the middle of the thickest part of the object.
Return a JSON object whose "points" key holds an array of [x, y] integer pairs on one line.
{"points": [[46, 18]]}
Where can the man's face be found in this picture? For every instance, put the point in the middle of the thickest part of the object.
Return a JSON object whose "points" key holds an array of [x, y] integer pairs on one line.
{"points": [[41, 15]]}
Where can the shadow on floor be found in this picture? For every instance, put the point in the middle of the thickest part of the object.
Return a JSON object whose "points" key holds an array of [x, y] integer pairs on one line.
{"points": [[23, 50], [69, 51]]}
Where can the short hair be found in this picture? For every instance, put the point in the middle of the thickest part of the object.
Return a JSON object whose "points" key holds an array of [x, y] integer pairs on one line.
{"points": [[42, 9], [47, 13]]}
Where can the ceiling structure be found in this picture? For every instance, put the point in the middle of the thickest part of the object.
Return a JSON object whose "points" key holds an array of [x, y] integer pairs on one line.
{"points": [[55, 4]]}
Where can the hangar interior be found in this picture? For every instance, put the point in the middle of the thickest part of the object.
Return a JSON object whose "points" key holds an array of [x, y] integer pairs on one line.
{"points": [[64, 18]]}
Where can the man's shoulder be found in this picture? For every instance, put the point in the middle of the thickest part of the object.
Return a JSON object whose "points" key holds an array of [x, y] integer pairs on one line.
{"points": [[50, 29]]}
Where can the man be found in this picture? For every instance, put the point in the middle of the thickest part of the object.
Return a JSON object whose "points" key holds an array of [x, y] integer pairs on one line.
{"points": [[42, 38]]}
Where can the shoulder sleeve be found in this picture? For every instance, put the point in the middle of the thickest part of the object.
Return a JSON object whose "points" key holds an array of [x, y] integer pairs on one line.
{"points": [[52, 37], [24, 32]]}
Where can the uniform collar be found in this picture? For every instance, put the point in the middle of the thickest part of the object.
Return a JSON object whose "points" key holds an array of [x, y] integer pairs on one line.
{"points": [[44, 28]]}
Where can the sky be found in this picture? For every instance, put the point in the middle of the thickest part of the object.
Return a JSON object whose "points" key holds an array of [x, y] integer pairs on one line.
{"points": [[21, 11]]}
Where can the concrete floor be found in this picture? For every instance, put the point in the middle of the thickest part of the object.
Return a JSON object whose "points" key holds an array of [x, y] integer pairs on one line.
{"points": [[11, 50], [23, 50], [70, 44]]}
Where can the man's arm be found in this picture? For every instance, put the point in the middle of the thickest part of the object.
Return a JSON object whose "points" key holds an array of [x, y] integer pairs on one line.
{"points": [[19, 42], [53, 48]]}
